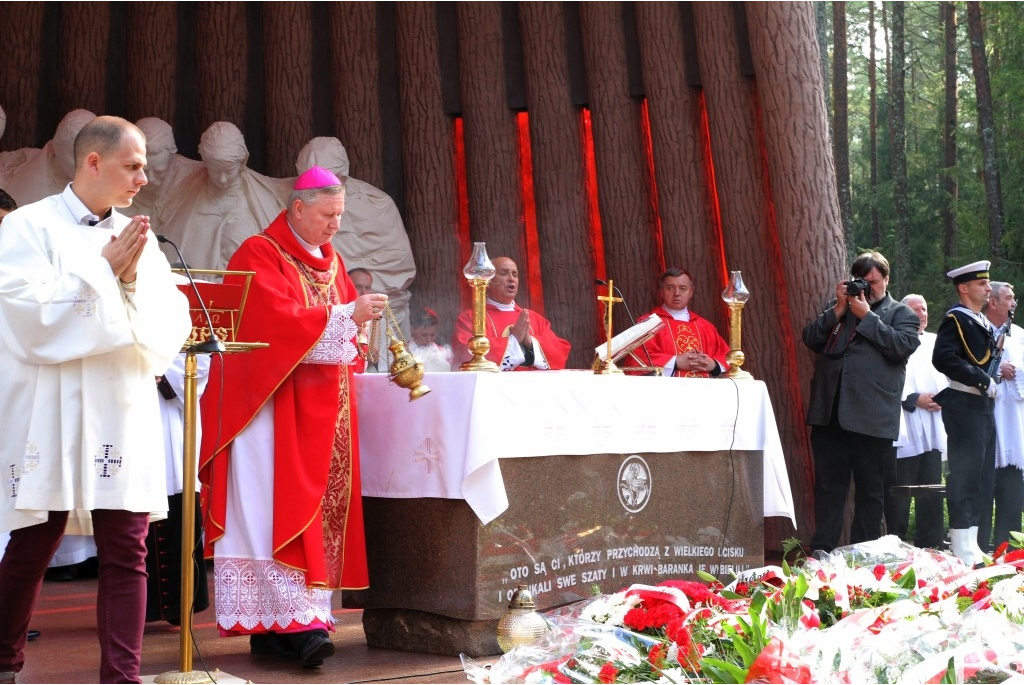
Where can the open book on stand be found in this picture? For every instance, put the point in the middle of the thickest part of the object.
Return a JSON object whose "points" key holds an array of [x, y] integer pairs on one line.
{"points": [[626, 343], [224, 301]]}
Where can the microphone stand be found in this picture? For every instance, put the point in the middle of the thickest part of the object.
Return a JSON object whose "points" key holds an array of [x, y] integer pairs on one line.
{"points": [[632, 321], [188, 504]]}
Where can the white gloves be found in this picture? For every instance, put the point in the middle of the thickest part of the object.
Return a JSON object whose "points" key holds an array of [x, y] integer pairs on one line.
{"points": [[993, 389]]}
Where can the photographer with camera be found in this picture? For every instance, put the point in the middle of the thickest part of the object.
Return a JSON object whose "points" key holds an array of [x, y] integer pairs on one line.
{"points": [[863, 339]]}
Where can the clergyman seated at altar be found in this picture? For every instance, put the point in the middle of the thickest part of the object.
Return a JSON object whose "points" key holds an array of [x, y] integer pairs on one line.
{"points": [[687, 345], [521, 339]]}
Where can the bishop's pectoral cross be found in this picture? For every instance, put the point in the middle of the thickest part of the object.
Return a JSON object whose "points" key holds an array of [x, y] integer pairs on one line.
{"points": [[609, 301]]}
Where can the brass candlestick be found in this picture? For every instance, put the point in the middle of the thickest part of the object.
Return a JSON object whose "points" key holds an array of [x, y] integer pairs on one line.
{"points": [[479, 271], [736, 295], [606, 365]]}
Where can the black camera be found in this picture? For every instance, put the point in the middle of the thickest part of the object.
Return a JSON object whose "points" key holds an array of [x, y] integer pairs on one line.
{"points": [[858, 286]]}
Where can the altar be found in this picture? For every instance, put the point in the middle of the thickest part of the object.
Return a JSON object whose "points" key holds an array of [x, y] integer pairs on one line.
{"points": [[566, 482]]}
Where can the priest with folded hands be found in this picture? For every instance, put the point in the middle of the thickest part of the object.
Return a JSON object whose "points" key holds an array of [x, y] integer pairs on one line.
{"points": [[521, 339], [688, 345]]}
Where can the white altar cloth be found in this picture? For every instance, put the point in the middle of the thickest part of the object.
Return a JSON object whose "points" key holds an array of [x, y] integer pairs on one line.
{"points": [[447, 443]]}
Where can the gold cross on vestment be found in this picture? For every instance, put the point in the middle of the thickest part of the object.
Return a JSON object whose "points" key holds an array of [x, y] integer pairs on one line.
{"points": [[609, 301]]}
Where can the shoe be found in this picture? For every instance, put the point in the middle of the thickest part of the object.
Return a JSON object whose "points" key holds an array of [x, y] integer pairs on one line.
{"points": [[316, 647], [33, 634], [60, 574], [271, 644], [960, 543]]}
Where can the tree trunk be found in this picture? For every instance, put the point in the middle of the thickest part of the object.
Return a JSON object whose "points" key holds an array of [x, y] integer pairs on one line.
{"points": [[691, 234], [151, 74], [821, 30], [563, 224], [492, 152], [222, 74], [21, 37], [290, 112], [750, 234], [841, 127], [876, 229], [900, 260], [631, 248], [79, 83], [795, 151], [431, 216], [356, 97], [949, 178], [987, 129]]}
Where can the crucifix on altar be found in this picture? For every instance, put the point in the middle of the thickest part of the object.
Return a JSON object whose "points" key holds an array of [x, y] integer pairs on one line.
{"points": [[606, 365]]}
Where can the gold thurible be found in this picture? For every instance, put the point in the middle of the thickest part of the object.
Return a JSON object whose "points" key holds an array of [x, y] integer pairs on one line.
{"points": [[406, 371]]}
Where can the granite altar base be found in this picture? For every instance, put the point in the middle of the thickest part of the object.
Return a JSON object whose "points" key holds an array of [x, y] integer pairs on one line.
{"points": [[575, 526]]}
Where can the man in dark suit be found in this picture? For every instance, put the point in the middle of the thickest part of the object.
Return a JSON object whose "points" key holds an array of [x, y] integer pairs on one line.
{"points": [[863, 339], [964, 346]]}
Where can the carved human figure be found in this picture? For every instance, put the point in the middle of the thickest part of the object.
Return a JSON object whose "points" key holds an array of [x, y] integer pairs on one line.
{"points": [[12, 159], [222, 203], [47, 171], [165, 169], [372, 234]]}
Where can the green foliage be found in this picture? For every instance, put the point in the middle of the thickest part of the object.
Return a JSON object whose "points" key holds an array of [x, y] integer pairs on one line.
{"points": [[745, 642], [924, 106]]}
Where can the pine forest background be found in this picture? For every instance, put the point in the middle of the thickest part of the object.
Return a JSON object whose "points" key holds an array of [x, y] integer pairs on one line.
{"points": [[926, 101]]}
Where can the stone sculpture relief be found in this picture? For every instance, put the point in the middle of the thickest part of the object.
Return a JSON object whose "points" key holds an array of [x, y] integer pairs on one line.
{"points": [[44, 171]]}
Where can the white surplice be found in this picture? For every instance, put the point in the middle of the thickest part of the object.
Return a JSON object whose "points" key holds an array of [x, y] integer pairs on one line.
{"points": [[1009, 405], [924, 429], [78, 358]]}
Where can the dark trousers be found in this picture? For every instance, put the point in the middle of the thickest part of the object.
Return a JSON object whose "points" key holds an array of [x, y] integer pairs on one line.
{"points": [[971, 444], [838, 453], [163, 564], [923, 469], [1009, 506], [120, 598]]}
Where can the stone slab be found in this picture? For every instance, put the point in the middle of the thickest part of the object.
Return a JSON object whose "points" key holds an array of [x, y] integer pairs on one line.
{"points": [[575, 526], [422, 631]]}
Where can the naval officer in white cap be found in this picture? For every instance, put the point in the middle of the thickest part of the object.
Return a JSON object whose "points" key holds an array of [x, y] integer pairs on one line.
{"points": [[964, 346]]}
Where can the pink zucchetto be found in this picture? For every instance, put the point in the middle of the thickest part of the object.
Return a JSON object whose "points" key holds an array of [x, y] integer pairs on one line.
{"points": [[316, 177]]}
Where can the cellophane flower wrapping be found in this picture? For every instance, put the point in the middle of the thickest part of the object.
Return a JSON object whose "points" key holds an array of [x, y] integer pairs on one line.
{"points": [[875, 612]]}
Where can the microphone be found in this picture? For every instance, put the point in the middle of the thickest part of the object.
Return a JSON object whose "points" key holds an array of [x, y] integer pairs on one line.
{"points": [[632, 321], [213, 345]]}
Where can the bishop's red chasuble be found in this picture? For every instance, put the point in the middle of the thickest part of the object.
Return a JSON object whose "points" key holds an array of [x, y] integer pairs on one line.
{"points": [[317, 503]]}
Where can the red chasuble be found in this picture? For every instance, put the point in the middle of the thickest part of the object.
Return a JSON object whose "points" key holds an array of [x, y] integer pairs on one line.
{"points": [[318, 517], [677, 337], [497, 327]]}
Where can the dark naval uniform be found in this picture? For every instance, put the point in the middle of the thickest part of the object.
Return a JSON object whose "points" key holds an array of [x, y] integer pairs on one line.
{"points": [[964, 346]]}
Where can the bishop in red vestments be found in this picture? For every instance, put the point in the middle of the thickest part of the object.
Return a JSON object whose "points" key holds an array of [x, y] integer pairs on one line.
{"points": [[280, 442], [521, 339], [688, 345]]}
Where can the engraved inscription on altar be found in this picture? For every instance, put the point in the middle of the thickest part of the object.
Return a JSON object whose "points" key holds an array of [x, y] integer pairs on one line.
{"points": [[567, 534], [604, 522]]}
